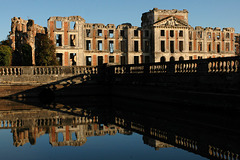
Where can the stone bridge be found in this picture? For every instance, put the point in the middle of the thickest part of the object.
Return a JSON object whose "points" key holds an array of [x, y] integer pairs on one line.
{"points": [[213, 81]]}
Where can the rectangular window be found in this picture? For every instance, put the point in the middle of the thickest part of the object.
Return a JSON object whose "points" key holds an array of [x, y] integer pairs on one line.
{"points": [[163, 46], [199, 46], [122, 33], [59, 58], [190, 46], [123, 60], [99, 32], [100, 45], [200, 34], [180, 33], [58, 24], [171, 33], [72, 25], [190, 57], [162, 32], [227, 35], [111, 59], [209, 46], [227, 47], [218, 36], [135, 33], [72, 59], [209, 35], [111, 33], [190, 35], [88, 31], [72, 40], [136, 59], [100, 60], [88, 60], [58, 40], [111, 46], [180, 46], [135, 46], [218, 48], [88, 45]]}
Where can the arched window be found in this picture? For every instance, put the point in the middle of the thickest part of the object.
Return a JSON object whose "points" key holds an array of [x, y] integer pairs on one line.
{"points": [[172, 59], [181, 58], [163, 59]]}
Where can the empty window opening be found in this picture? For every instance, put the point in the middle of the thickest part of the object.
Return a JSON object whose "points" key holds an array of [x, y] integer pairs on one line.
{"points": [[100, 45], [74, 136], [200, 34], [227, 47], [111, 33], [99, 32], [60, 137], [209, 47], [123, 46], [180, 33], [227, 35], [162, 32], [171, 33], [181, 58], [111, 46], [72, 40], [122, 33], [180, 46], [163, 46], [58, 40], [88, 45], [88, 60], [88, 31], [199, 57], [146, 46], [123, 60], [100, 60], [136, 59], [111, 59], [73, 59], [218, 36], [146, 33], [162, 59], [190, 46], [58, 24], [172, 46], [218, 48], [135, 46], [209, 35], [190, 35], [190, 57], [59, 58], [72, 25], [136, 33], [147, 59], [199, 46]]}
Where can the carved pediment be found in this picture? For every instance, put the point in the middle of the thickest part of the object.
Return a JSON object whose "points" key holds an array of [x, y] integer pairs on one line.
{"points": [[171, 22]]}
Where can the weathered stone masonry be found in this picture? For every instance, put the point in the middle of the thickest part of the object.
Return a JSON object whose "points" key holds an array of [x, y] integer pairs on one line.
{"points": [[164, 35]]}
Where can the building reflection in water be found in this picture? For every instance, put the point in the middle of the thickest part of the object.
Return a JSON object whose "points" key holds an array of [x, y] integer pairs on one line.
{"points": [[71, 126]]}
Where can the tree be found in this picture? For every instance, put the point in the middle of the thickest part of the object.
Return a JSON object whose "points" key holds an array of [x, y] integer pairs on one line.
{"points": [[45, 51], [5, 55]]}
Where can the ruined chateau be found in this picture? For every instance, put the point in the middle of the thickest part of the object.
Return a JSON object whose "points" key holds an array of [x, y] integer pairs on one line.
{"points": [[164, 35]]}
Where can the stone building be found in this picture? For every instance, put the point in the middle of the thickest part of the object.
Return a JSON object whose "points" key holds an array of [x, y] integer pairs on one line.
{"points": [[164, 35], [24, 31]]}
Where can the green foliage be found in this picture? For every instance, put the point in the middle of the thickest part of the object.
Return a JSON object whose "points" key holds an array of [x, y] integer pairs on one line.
{"points": [[45, 52], [5, 55]]}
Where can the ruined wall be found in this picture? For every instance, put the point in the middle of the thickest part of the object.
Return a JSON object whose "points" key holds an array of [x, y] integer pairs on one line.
{"points": [[24, 32]]}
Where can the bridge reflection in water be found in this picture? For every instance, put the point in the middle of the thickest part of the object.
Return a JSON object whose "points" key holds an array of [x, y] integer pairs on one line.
{"points": [[206, 133]]}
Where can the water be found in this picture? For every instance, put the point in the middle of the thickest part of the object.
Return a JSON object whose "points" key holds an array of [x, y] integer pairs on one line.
{"points": [[96, 130]]}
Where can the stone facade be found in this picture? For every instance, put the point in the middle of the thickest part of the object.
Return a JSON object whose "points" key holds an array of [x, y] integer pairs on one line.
{"points": [[24, 31], [164, 35]]}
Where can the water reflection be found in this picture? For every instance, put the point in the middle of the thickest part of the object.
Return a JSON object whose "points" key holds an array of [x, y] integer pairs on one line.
{"points": [[70, 124]]}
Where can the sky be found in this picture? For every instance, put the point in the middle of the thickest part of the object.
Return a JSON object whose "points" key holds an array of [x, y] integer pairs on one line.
{"points": [[205, 13]]}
